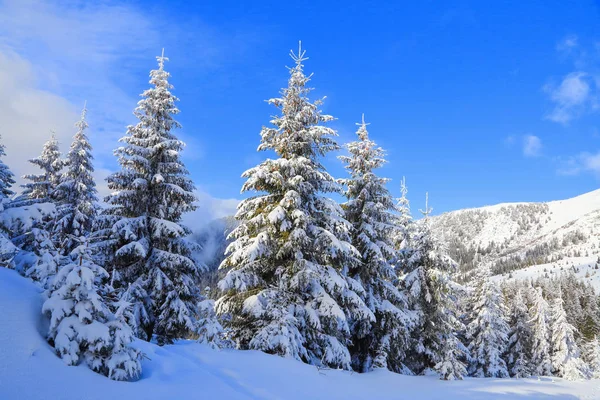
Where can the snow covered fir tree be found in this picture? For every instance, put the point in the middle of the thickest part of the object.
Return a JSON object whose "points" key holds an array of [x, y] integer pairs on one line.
{"points": [[426, 279], [76, 191], [330, 271], [149, 195], [381, 343], [289, 290]]}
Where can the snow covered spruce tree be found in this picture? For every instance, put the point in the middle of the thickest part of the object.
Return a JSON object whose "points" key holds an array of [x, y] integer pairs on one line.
{"points": [[288, 291], [34, 220], [519, 338], [541, 363], [592, 357], [381, 343], [42, 187], [77, 191], [82, 327], [404, 231], [150, 193], [7, 178], [432, 294], [7, 249], [488, 332], [566, 357]]}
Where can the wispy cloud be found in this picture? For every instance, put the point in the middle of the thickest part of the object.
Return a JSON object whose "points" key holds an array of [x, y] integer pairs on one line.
{"points": [[532, 146], [567, 44], [578, 92], [584, 162]]}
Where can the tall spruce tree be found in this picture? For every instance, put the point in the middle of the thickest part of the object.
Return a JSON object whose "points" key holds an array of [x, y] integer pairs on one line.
{"points": [[288, 291], [77, 191], [566, 357], [541, 363], [488, 331], [433, 296], [150, 194], [370, 209]]}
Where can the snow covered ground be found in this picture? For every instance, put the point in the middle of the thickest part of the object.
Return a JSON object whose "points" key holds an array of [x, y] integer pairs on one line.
{"points": [[30, 370]]}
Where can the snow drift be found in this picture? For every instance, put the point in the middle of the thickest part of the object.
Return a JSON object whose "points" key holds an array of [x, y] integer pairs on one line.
{"points": [[29, 369]]}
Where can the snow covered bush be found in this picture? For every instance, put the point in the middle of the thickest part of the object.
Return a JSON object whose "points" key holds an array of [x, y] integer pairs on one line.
{"points": [[82, 327]]}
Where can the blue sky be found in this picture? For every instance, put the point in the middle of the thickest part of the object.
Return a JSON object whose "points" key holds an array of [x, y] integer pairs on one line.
{"points": [[476, 104]]}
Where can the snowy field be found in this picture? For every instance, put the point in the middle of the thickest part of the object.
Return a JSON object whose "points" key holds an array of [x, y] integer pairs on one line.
{"points": [[30, 370]]}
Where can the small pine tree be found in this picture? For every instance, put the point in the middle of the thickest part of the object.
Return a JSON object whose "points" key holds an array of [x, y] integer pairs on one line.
{"points": [[7, 178], [381, 343], [42, 187], [433, 296], [288, 291], [81, 325], [592, 357], [488, 332], [150, 194], [77, 191], [7, 248], [518, 353], [566, 358], [405, 230], [541, 363], [33, 215]]}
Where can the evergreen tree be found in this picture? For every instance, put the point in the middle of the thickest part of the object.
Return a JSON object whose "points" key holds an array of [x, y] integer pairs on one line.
{"points": [[592, 357], [7, 178], [432, 294], [288, 291], [77, 191], [150, 193], [405, 230], [7, 249], [541, 363], [33, 215], [42, 186], [81, 325], [518, 353], [381, 343], [566, 360], [488, 332]]}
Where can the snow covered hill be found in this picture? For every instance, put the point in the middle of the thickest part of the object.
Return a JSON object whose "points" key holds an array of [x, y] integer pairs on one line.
{"points": [[30, 370], [514, 236]]}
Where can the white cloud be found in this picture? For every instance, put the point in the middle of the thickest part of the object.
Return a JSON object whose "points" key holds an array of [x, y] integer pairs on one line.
{"points": [[532, 146], [583, 162], [28, 113], [575, 95]]}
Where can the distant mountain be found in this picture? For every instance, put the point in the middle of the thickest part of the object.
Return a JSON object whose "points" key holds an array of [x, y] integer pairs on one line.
{"points": [[514, 236], [531, 238], [213, 239]]}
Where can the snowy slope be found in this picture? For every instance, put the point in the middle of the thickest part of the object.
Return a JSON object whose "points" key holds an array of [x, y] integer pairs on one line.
{"points": [[30, 370], [516, 235]]}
